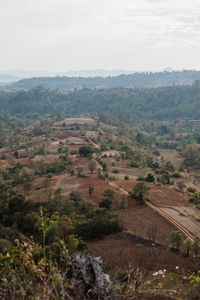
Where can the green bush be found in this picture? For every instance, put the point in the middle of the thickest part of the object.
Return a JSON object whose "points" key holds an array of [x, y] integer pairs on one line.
{"points": [[150, 178], [191, 190], [140, 178], [106, 203], [176, 175]]}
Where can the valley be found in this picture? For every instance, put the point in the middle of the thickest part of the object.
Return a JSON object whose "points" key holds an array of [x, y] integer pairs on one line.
{"points": [[57, 165]]}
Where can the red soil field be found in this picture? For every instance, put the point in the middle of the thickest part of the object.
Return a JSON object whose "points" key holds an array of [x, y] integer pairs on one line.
{"points": [[76, 133], [80, 161], [137, 217], [4, 163], [24, 161], [119, 251], [159, 195], [37, 140], [99, 187]]}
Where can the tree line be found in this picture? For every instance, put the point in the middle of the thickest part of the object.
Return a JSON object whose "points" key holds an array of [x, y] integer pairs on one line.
{"points": [[138, 79], [155, 104]]}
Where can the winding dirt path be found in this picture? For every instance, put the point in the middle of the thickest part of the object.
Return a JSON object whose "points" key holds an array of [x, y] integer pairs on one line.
{"points": [[93, 144]]}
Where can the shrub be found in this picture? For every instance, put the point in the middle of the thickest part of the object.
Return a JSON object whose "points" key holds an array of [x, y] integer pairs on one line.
{"points": [[106, 203], [75, 196], [111, 178], [150, 178], [123, 201], [191, 189], [134, 164], [141, 178], [86, 151], [176, 175]]}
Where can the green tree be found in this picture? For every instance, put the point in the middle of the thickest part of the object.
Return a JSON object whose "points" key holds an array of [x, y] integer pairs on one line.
{"points": [[140, 191], [65, 227], [123, 201], [109, 194], [150, 178], [92, 165], [86, 151], [72, 244], [140, 138], [16, 154], [55, 202], [106, 203], [90, 191], [58, 194], [195, 247], [188, 245], [176, 238], [75, 196], [79, 171], [27, 188]]}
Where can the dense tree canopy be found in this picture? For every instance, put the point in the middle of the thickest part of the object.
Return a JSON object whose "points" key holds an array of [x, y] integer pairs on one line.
{"points": [[166, 103]]}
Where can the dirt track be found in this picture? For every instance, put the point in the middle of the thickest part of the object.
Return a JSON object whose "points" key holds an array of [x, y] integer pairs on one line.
{"points": [[190, 223], [170, 219]]}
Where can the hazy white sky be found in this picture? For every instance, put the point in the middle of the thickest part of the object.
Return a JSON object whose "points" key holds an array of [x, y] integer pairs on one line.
{"points": [[63, 35]]}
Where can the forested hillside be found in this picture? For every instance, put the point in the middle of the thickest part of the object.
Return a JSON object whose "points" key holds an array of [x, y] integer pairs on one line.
{"points": [[166, 103], [143, 79]]}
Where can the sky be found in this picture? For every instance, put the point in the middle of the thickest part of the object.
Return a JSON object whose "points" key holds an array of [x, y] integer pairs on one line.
{"points": [[64, 35]]}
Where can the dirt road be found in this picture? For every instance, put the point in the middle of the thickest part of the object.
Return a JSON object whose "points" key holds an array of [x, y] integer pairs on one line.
{"points": [[179, 226]]}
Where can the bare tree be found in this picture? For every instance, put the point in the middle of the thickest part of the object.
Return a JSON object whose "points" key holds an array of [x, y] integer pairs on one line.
{"points": [[151, 231]]}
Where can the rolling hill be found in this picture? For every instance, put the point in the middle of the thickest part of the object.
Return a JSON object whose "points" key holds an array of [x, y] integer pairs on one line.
{"points": [[143, 79]]}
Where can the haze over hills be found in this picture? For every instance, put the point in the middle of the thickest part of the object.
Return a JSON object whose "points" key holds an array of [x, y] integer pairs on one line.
{"points": [[6, 78], [22, 74], [138, 79], [10, 76]]}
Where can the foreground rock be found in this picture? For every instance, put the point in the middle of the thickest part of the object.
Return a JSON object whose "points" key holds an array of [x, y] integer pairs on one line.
{"points": [[88, 279]]}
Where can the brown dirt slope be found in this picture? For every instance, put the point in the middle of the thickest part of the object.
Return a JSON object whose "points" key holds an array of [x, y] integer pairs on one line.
{"points": [[122, 252]]}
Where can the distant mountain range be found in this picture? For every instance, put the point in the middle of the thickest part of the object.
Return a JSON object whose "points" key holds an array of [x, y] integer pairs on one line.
{"points": [[6, 78], [22, 74], [136, 79], [16, 75], [13, 75]]}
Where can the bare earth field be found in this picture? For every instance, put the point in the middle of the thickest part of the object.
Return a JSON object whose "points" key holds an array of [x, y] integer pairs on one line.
{"points": [[173, 156], [80, 121], [137, 217], [66, 182], [173, 204], [121, 251], [47, 158], [76, 141], [124, 169], [99, 187]]}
